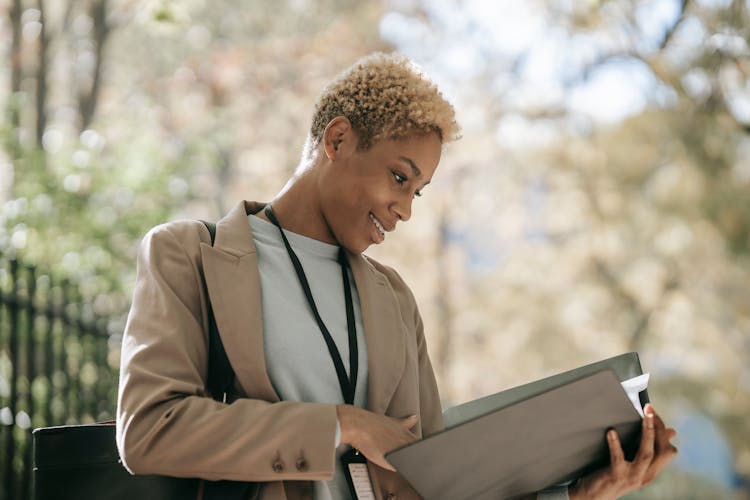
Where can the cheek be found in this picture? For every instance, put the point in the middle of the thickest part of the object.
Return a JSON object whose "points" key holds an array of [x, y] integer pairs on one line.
{"points": [[347, 208], [366, 192], [379, 190], [360, 197]]}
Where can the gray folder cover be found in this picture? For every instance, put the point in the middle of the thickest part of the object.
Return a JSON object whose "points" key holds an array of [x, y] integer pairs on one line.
{"points": [[545, 433], [625, 366]]}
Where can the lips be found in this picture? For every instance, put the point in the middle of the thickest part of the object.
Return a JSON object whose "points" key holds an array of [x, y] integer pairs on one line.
{"points": [[378, 225], [379, 229]]}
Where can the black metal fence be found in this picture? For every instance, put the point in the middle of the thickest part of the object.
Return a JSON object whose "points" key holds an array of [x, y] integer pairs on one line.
{"points": [[56, 366]]}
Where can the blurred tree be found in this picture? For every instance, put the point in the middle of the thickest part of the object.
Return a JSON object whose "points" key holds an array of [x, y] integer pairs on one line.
{"points": [[547, 238], [582, 238], [124, 114], [119, 137], [678, 171]]}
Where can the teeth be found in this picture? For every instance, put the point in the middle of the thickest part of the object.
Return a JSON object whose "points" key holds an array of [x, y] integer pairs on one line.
{"points": [[377, 224]]}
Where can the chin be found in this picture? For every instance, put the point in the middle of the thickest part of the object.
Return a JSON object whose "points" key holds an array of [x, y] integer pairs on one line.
{"points": [[357, 247]]}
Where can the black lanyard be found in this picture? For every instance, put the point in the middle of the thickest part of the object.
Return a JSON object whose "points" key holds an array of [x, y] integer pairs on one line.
{"points": [[348, 384]]}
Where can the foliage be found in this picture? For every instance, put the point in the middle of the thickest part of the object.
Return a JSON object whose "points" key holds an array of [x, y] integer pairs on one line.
{"points": [[559, 238], [552, 235], [170, 127]]}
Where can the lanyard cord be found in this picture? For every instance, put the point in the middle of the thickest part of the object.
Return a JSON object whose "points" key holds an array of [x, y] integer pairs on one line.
{"points": [[348, 385]]}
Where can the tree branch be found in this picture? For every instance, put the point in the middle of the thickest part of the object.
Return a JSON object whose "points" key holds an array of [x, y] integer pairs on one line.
{"points": [[41, 78], [642, 316], [87, 102], [671, 30], [651, 61], [15, 60], [444, 309]]}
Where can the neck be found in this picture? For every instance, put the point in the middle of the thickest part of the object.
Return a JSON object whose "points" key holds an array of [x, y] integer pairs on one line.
{"points": [[297, 208]]}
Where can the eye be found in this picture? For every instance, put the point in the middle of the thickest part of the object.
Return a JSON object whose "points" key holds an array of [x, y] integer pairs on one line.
{"points": [[400, 179]]}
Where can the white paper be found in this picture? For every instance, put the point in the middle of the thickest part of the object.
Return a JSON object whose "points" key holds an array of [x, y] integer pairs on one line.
{"points": [[632, 387], [361, 480]]}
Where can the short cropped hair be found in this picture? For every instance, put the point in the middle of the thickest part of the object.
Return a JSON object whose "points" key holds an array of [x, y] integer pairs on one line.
{"points": [[384, 97]]}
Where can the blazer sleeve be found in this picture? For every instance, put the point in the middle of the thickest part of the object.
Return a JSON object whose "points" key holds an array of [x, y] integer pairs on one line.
{"points": [[430, 409], [418, 391], [166, 421]]}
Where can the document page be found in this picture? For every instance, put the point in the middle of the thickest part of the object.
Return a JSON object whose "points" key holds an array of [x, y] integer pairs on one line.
{"points": [[632, 387]]}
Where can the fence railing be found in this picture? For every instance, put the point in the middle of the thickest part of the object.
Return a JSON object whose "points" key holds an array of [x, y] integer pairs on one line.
{"points": [[55, 366]]}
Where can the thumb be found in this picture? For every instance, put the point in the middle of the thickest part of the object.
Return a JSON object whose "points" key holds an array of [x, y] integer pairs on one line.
{"points": [[409, 421], [380, 461]]}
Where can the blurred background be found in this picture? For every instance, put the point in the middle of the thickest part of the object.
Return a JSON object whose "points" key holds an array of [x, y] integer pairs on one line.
{"points": [[597, 203]]}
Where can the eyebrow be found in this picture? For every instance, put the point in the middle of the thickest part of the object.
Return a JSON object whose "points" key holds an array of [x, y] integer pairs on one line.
{"points": [[414, 167]]}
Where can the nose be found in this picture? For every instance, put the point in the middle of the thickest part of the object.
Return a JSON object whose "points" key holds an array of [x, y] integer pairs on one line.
{"points": [[402, 208]]}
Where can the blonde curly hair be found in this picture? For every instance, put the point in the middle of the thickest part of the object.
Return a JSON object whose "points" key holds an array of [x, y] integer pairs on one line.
{"points": [[384, 96]]}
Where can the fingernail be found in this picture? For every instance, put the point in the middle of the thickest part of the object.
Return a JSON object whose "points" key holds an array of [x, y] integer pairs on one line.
{"points": [[649, 408], [612, 435], [650, 420]]}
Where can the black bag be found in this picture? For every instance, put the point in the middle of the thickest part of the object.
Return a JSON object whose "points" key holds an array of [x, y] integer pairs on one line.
{"points": [[77, 462]]}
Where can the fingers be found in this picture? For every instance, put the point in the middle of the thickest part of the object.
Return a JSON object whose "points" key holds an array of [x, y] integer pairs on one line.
{"points": [[616, 455], [654, 454], [664, 452], [405, 424], [663, 434], [645, 454], [374, 435], [409, 422], [404, 437], [380, 461], [623, 476]]}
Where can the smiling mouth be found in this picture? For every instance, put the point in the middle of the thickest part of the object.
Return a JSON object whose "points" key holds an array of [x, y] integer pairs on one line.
{"points": [[378, 225]]}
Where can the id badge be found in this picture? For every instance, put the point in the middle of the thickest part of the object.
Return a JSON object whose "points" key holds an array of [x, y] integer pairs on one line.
{"points": [[357, 476]]}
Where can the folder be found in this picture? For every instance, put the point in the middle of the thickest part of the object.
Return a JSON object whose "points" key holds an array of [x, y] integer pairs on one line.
{"points": [[527, 438]]}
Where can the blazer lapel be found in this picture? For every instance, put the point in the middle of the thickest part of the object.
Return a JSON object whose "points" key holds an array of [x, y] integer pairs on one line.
{"points": [[233, 282], [384, 333]]}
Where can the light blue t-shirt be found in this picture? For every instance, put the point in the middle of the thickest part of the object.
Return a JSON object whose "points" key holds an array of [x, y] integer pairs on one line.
{"points": [[297, 359]]}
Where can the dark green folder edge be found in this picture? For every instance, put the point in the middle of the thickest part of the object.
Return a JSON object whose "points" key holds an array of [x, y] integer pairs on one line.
{"points": [[624, 366]]}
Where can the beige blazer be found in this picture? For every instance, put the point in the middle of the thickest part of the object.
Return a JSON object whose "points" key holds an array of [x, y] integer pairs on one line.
{"points": [[168, 424]]}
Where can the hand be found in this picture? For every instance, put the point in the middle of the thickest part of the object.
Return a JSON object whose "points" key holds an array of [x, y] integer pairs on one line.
{"points": [[622, 477], [374, 435]]}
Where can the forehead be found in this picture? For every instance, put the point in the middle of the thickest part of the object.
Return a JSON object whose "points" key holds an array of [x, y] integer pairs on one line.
{"points": [[421, 152]]}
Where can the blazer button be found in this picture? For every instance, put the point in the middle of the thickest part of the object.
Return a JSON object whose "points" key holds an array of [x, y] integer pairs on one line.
{"points": [[277, 466], [301, 464]]}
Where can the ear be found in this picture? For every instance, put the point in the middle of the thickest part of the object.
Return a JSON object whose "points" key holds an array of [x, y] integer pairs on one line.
{"points": [[339, 139]]}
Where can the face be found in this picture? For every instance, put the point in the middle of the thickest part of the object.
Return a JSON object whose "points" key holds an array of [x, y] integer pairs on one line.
{"points": [[366, 193]]}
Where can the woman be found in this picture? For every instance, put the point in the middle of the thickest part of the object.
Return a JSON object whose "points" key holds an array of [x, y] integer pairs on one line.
{"points": [[374, 144]]}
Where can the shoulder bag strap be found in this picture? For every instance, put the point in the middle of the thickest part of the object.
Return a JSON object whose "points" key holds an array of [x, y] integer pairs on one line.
{"points": [[220, 373], [220, 384]]}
